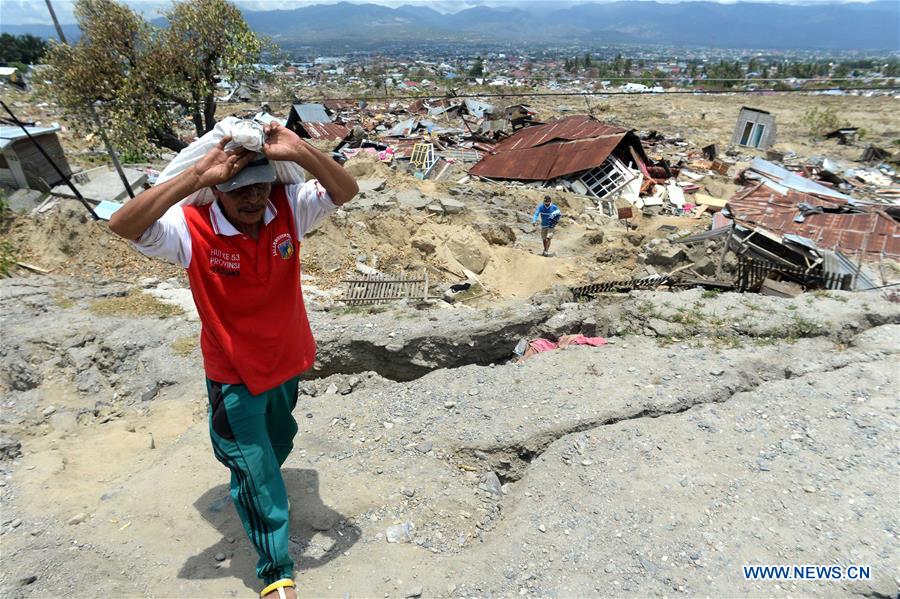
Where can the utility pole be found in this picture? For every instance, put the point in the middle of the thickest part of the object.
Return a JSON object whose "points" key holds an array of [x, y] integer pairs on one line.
{"points": [[106, 142]]}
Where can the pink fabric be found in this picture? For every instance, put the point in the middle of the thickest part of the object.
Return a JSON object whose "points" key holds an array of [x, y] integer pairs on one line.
{"points": [[540, 345], [566, 340]]}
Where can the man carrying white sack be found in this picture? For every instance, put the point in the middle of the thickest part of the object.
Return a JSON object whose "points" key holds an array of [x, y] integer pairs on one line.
{"points": [[242, 255]]}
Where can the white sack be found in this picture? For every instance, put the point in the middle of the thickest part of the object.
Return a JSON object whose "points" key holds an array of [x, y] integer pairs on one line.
{"points": [[244, 133]]}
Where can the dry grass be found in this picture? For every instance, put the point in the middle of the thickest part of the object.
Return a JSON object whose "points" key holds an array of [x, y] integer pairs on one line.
{"points": [[62, 300], [184, 346], [135, 303]]}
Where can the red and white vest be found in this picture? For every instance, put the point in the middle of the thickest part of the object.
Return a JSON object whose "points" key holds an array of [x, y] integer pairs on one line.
{"points": [[247, 291]]}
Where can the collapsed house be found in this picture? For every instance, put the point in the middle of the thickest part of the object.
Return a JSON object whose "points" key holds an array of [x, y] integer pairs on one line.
{"points": [[796, 229], [519, 116], [581, 153]]}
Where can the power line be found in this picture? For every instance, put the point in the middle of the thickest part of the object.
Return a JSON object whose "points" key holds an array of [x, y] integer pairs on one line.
{"points": [[745, 79], [717, 92]]}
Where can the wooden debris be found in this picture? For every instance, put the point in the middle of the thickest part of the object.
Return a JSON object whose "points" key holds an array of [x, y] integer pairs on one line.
{"points": [[378, 288]]}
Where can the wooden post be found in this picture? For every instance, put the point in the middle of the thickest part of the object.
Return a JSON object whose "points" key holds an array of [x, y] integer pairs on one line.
{"points": [[109, 148], [721, 265]]}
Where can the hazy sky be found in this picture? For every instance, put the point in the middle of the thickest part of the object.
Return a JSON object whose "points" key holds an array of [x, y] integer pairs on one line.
{"points": [[35, 11]]}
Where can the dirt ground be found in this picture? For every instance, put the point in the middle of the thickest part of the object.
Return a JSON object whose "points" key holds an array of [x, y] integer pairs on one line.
{"points": [[625, 470], [712, 431]]}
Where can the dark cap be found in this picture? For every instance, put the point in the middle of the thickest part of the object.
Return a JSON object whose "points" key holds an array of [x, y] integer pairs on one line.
{"points": [[258, 170]]}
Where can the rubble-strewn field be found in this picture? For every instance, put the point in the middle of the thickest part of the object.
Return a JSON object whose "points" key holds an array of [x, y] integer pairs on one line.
{"points": [[713, 430]]}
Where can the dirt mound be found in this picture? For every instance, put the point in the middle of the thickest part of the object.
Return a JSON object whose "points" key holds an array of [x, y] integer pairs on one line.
{"points": [[66, 240], [366, 166]]}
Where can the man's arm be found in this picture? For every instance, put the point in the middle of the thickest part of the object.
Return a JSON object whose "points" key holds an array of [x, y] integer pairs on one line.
{"points": [[284, 144], [217, 166], [537, 212]]}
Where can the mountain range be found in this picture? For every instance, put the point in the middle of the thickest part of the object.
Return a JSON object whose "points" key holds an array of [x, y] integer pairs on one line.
{"points": [[862, 26]]}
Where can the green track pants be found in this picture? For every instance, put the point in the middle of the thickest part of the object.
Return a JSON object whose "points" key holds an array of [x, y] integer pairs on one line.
{"points": [[253, 435]]}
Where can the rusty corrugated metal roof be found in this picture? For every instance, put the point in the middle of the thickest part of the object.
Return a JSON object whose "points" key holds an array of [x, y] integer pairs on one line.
{"points": [[563, 147], [872, 230], [325, 130], [547, 161], [567, 129]]}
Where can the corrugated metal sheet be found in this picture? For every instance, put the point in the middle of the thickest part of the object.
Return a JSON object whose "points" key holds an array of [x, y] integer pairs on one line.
{"points": [[548, 161], [402, 128], [567, 129], [563, 147], [311, 113], [338, 105], [325, 130], [872, 230], [785, 179]]}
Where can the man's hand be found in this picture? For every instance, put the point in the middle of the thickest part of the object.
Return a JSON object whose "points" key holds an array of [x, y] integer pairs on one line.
{"points": [[281, 143], [218, 166], [284, 144]]}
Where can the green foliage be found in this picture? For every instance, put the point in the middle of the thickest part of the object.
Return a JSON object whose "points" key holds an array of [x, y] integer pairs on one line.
{"points": [[24, 49], [725, 71], [801, 328], [891, 68], [144, 78], [477, 70], [820, 121]]}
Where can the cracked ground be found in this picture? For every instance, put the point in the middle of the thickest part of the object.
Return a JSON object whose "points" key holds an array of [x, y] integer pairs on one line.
{"points": [[708, 434]]}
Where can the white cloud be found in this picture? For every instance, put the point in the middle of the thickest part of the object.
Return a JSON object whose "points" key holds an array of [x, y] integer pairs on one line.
{"points": [[35, 11]]}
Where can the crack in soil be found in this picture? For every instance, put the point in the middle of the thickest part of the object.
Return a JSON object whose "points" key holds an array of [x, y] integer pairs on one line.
{"points": [[511, 462], [413, 358]]}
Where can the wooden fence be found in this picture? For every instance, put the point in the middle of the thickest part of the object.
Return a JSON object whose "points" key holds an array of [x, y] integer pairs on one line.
{"points": [[373, 289], [589, 291], [751, 273]]}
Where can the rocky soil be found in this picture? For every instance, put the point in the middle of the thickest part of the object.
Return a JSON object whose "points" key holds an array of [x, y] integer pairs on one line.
{"points": [[712, 431]]}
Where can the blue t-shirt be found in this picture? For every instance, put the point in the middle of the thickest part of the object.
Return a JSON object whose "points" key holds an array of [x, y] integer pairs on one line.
{"points": [[549, 214]]}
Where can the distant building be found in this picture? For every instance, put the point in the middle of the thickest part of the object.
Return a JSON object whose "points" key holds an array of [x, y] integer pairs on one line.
{"points": [[754, 129]]}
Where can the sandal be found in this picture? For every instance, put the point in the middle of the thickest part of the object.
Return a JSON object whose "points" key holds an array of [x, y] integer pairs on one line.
{"points": [[279, 586]]}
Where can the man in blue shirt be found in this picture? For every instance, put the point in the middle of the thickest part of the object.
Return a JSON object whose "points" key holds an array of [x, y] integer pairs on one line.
{"points": [[549, 214]]}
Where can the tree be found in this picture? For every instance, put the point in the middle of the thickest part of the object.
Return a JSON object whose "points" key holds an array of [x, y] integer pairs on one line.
{"points": [[477, 70], [821, 121], [144, 78], [26, 49], [587, 60]]}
